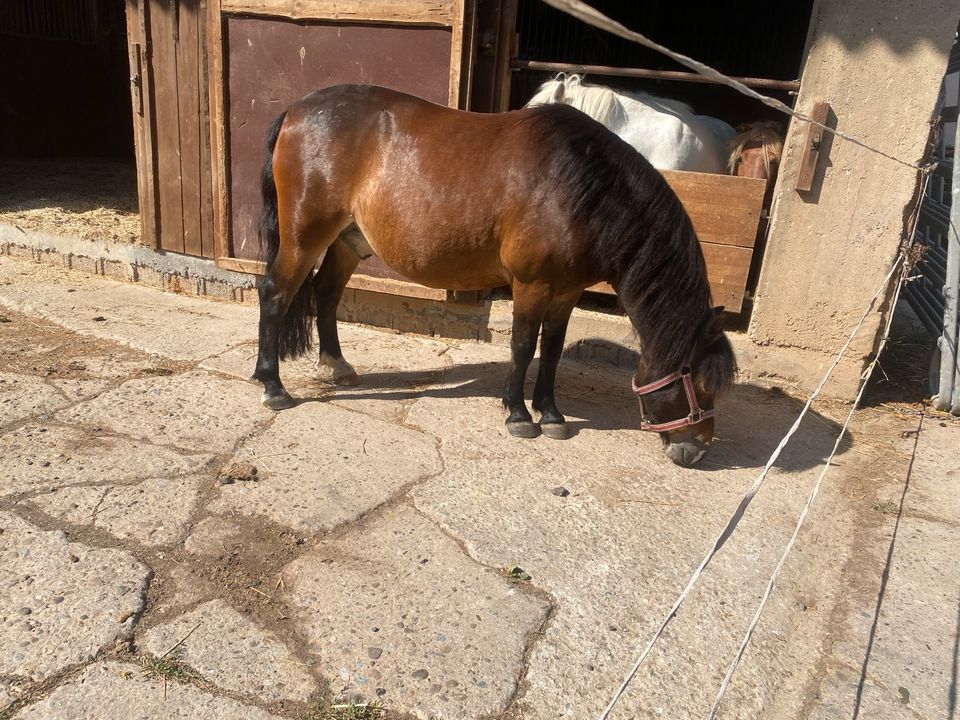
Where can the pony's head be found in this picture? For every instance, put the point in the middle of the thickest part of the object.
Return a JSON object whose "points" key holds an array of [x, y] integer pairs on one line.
{"points": [[680, 405], [756, 149]]}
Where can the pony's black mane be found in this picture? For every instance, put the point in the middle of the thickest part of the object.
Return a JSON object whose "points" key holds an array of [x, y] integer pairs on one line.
{"points": [[644, 241]]}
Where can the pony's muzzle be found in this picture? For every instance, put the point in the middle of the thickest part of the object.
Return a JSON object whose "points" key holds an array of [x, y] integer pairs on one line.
{"points": [[687, 452]]}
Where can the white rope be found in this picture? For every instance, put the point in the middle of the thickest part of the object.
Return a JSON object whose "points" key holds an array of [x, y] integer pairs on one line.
{"points": [[748, 497], [591, 16], [905, 269], [803, 515], [745, 501]]}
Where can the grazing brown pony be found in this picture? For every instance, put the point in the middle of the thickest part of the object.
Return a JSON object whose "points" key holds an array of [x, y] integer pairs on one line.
{"points": [[545, 200], [756, 149]]}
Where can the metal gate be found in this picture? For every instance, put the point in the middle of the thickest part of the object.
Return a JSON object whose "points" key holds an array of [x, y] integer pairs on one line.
{"points": [[932, 291]]}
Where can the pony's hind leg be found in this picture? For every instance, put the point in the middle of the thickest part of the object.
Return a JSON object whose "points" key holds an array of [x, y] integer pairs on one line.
{"points": [[552, 422], [530, 302], [328, 285], [285, 300], [287, 305]]}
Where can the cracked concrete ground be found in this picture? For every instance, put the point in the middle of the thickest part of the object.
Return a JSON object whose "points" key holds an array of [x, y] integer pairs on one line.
{"points": [[359, 548]]}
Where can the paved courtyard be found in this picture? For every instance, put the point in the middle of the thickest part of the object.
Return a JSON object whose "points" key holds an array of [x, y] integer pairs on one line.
{"points": [[171, 549]]}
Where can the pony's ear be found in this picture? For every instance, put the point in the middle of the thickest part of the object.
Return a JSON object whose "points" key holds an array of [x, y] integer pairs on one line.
{"points": [[558, 92], [715, 325]]}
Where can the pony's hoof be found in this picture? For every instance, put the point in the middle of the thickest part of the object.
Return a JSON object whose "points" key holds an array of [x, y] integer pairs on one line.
{"points": [[347, 380], [523, 429], [555, 431], [278, 402]]}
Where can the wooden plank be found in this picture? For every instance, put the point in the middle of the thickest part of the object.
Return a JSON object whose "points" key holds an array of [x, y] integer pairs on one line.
{"points": [[359, 281], [207, 248], [419, 12], [727, 270], [218, 133], [456, 55], [395, 287], [811, 147], [139, 40], [724, 209], [164, 29], [188, 97], [506, 50], [251, 267]]}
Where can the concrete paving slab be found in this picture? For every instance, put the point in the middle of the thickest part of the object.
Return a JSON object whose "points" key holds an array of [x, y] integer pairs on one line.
{"points": [[109, 691], [153, 512], [912, 642], [46, 456], [395, 610], [619, 548], [394, 369], [212, 536], [232, 652], [936, 472], [60, 602], [196, 410], [131, 314], [321, 466], [22, 396]]}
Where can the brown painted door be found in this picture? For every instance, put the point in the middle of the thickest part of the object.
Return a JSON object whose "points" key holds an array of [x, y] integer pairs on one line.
{"points": [[171, 119]]}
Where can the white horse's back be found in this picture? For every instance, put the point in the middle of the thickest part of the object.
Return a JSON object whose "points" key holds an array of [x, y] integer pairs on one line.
{"points": [[666, 132]]}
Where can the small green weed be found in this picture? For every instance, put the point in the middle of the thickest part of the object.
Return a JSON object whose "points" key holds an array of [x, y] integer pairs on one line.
{"points": [[346, 711], [167, 668], [517, 574], [886, 507]]}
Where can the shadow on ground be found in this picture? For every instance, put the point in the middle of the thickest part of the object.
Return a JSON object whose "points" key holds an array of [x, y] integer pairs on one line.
{"points": [[752, 420]]}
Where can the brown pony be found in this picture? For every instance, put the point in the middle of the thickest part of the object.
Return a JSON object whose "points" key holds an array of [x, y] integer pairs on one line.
{"points": [[756, 149], [545, 200]]}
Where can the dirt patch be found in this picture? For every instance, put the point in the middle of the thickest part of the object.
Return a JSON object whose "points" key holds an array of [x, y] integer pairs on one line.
{"points": [[31, 346], [90, 199]]}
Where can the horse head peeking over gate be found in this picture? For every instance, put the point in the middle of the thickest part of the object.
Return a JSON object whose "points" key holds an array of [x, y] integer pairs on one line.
{"points": [[542, 199]]}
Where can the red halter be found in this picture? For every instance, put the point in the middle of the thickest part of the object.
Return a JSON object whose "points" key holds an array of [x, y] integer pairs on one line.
{"points": [[696, 414]]}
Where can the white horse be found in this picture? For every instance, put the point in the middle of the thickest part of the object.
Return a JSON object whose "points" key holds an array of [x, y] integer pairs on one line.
{"points": [[666, 132]]}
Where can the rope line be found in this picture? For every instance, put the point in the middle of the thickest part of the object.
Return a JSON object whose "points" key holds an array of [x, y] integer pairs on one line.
{"points": [[902, 261], [745, 501], [591, 16]]}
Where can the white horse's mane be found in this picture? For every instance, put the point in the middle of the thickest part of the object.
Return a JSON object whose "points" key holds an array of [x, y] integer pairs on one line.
{"points": [[599, 102]]}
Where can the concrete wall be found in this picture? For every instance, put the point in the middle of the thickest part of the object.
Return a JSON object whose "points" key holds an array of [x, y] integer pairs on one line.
{"points": [[879, 64]]}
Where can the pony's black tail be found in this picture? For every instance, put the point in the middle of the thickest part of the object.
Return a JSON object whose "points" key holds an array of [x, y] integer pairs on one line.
{"points": [[296, 325]]}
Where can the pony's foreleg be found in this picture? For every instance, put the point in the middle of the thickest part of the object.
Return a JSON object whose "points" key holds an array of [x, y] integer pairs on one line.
{"points": [[529, 305], [328, 285], [552, 422]]}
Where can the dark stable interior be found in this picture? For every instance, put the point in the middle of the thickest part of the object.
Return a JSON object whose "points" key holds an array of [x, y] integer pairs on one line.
{"points": [[749, 38], [66, 89]]}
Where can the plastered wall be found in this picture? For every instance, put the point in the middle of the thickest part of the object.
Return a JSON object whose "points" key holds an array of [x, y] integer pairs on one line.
{"points": [[879, 64]]}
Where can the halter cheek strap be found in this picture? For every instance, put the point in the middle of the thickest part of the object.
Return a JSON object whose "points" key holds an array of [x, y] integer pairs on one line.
{"points": [[696, 414]]}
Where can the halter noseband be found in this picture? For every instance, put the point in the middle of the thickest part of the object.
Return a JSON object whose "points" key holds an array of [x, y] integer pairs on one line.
{"points": [[696, 414]]}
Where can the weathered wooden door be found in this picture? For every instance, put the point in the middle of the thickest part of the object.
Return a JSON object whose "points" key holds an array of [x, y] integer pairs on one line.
{"points": [[171, 121]]}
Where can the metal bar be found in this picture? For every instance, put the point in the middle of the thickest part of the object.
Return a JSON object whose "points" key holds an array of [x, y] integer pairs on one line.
{"points": [[644, 73], [932, 320], [948, 397]]}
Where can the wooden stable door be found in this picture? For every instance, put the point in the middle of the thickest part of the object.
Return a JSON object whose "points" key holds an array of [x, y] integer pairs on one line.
{"points": [[171, 122]]}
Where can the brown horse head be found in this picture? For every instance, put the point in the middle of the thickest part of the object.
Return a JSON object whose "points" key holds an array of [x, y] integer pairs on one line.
{"points": [[755, 151], [680, 404]]}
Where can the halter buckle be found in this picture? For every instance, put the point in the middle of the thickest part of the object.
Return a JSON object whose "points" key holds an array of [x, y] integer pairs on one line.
{"points": [[697, 414]]}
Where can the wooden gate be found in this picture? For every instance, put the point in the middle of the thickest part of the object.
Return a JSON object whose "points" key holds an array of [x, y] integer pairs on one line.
{"points": [[171, 123], [266, 54]]}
